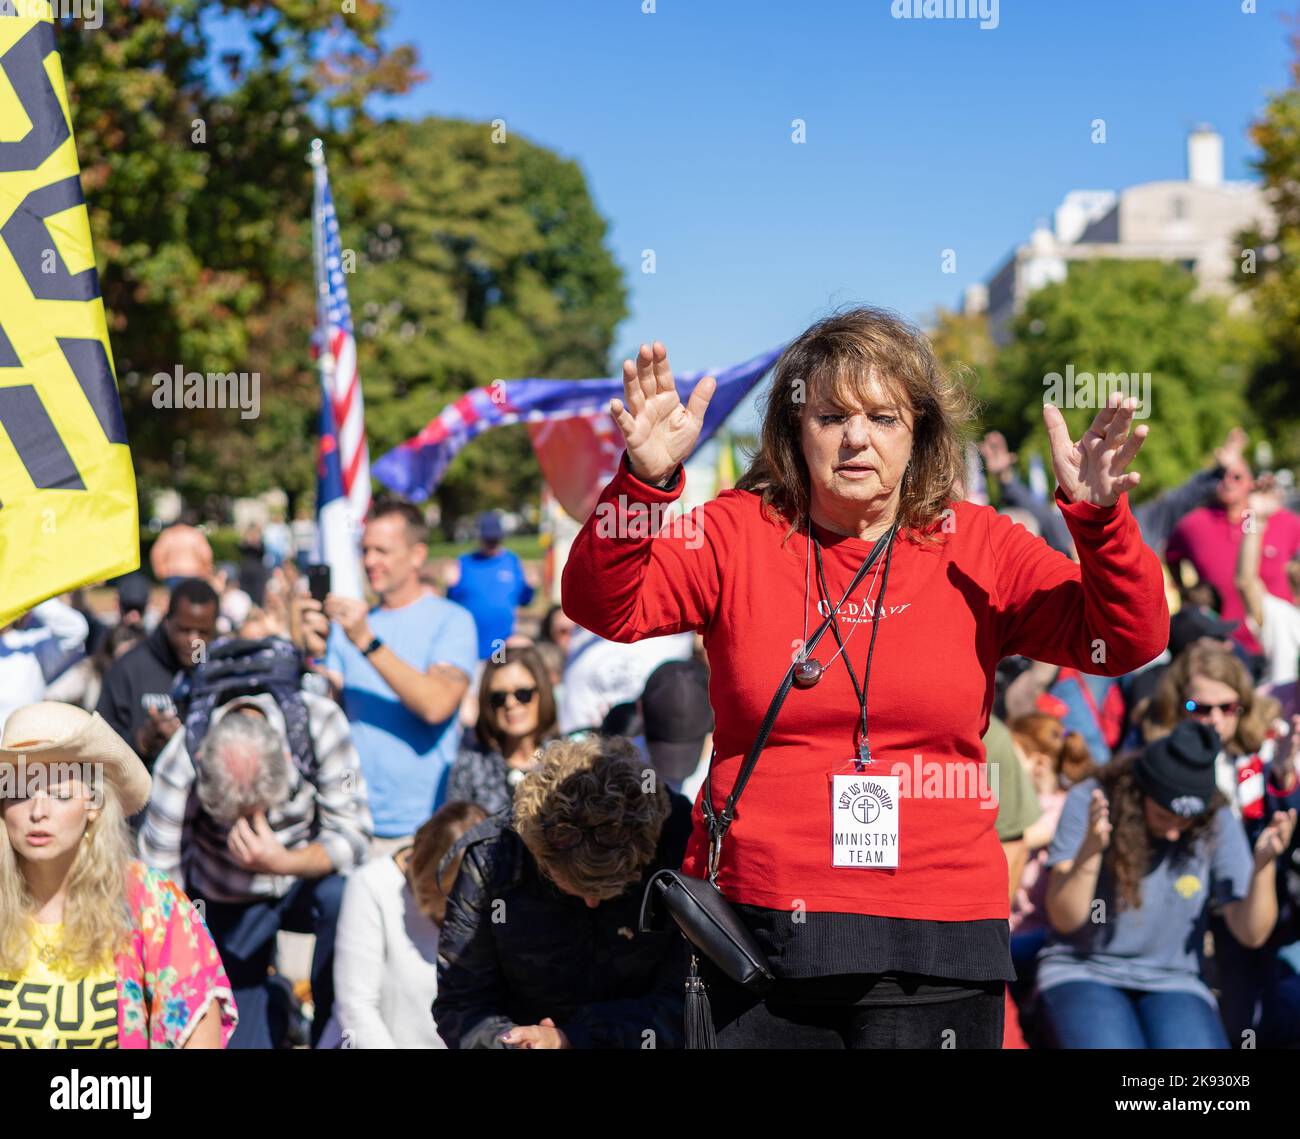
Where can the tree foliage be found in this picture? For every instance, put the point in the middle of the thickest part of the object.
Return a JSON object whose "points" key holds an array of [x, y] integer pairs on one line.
{"points": [[1129, 317], [1273, 280], [475, 260], [480, 256]]}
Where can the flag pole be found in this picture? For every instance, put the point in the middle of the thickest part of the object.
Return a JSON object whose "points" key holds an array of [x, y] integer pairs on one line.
{"points": [[336, 534], [316, 157]]}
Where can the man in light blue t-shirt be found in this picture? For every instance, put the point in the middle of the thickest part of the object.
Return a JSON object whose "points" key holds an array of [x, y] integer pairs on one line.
{"points": [[399, 670]]}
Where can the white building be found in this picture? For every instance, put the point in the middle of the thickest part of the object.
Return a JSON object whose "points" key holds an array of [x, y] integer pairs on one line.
{"points": [[1194, 222]]}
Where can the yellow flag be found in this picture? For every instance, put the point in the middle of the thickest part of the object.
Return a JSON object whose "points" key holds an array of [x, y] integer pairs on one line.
{"points": [[726, 464], [67, 489]]}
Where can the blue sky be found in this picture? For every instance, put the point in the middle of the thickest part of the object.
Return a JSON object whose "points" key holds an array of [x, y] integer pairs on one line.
{"points": [[921, 135]]}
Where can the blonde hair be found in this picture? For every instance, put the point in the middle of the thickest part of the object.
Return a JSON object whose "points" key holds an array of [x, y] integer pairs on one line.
{"points": [[96, 919], [598, 784]]}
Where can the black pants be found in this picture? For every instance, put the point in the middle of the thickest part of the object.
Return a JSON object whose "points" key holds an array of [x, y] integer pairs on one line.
{"points": [[824, 1012], [245, 934]]}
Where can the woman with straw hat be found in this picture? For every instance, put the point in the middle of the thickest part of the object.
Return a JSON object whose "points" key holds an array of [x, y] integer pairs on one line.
{"points": [[96, 950]]}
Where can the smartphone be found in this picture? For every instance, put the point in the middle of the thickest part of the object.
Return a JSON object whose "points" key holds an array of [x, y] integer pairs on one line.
{"points": [[318, 581]]}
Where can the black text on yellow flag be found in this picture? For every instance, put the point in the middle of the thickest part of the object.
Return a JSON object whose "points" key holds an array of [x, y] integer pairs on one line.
{"points": [[67, 489]]}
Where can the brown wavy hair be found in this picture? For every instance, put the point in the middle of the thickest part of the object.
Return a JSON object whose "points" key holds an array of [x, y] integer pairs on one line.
{"points": [[486, 726], [1214, 663], [834, 359], [1129, 854], [432, 841], [1067, 751], [599, 782]]}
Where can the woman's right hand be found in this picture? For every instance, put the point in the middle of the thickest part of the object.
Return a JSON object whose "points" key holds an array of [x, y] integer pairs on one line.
{"points": [[658, 430], [1097, 838]]}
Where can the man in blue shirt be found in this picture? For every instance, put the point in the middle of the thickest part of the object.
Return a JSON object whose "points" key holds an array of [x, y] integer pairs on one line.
{"points": [[491, 586], [399, 670]]}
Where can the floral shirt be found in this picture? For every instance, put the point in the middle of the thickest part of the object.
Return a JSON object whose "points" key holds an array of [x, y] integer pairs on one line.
{"points": [[170, 973]]}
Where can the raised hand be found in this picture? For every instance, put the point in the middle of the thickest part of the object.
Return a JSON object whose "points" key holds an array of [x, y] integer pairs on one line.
{"points": [[1093, 469], [658, 430], [1287, 757], [1275, 838], [1266, 499], [998, 457], [1233, 447], [1097, 837]]}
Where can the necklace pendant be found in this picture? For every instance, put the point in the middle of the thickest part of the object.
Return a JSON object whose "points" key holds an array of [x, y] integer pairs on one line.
{"points": [[807, 673]]}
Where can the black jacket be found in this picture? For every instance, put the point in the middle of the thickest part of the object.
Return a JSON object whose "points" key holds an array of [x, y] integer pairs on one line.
{"points": [[139, 679], [514, 949]]}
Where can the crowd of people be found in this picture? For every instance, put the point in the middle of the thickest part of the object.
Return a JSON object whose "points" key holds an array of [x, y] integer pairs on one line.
{"points": [[461, 795]]}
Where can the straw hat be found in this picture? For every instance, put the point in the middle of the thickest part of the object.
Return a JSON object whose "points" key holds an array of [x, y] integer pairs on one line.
{"points": [[50, 732]]}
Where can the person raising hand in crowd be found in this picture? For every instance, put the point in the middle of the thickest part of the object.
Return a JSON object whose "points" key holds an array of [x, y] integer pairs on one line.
{"points": [[1139, 854], [851, 519]]}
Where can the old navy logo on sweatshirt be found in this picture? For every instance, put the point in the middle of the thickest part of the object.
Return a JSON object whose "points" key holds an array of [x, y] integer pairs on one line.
{"points": [[862, 612]]}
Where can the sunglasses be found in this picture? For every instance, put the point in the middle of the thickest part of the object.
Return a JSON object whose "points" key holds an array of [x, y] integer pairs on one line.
{"points": [[522, 695], [565, 836], [1232, 708]]}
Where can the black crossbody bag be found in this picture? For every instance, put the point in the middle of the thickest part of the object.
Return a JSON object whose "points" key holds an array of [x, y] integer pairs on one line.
{"points": [[699, 908]]}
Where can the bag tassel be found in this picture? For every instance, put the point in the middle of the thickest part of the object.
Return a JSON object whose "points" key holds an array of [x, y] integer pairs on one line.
{"points": [[699, 1016]]}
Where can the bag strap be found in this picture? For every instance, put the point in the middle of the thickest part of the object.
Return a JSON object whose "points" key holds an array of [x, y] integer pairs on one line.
{"points": [[720, 822]]}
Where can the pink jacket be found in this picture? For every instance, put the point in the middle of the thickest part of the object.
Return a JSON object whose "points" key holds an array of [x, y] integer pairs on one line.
{"points": [[170, 973]]}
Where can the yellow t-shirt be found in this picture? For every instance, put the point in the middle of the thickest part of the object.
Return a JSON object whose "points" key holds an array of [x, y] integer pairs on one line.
{"points": [[45, 1007]]}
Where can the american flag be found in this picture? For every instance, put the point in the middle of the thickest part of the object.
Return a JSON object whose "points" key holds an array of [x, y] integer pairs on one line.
{"points": [[336, 347]]}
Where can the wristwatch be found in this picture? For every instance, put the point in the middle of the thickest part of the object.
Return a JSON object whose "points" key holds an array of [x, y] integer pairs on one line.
{"points": [[375, 643]]}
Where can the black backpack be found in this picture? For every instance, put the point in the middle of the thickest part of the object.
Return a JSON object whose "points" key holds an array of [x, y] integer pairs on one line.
{"points": [[238, 667]]}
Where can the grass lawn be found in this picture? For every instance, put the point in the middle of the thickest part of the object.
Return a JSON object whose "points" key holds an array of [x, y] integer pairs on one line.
{"points": [[527, 546]]}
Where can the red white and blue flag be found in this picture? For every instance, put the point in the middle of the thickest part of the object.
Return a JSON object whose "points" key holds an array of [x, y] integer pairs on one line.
{"points": [[415, 468], [343, 460]]}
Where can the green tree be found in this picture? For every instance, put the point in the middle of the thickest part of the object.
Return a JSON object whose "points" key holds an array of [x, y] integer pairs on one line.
{"points": [[480, 256], [199, 198], [1270, 267], [964, 346], [1131, 317]]}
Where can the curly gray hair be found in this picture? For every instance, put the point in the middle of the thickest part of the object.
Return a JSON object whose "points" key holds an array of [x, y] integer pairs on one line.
{"points": [[242, 768]]}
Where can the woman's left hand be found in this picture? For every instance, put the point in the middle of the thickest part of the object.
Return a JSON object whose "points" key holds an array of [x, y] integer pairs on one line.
{"points": [[542, 1035], [1275, 838], [1093, 469]]}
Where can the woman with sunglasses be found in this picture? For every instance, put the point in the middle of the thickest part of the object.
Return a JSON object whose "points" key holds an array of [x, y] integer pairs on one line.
{"points": [[1209, 683], [1256, 774], [516, 715], [542, 947]]}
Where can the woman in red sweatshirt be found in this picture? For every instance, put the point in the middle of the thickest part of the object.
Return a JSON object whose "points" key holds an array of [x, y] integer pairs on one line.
{"points": [[863, 854]]}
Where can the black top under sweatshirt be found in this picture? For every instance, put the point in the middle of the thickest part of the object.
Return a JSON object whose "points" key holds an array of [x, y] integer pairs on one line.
{"points": [[931, 959]]}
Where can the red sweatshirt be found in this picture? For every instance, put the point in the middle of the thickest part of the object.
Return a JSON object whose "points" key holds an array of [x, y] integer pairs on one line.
{"points": [[988, 590]]}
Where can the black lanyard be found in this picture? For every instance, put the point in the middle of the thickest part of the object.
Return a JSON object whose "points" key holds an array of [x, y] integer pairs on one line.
{"points": [[859, 690]]}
